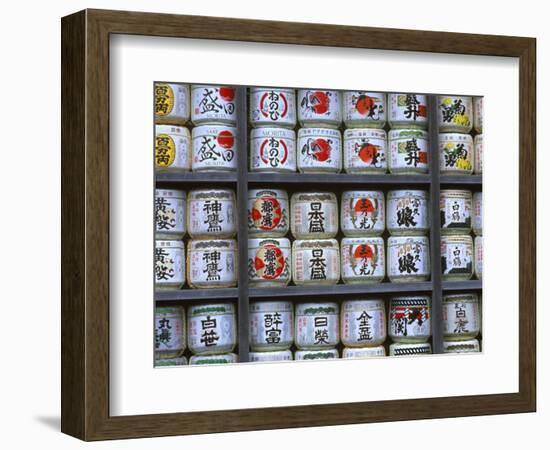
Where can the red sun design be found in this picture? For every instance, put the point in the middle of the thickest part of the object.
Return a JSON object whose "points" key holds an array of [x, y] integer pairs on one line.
{"points": [[319, 102], [364, 206], [368, 152], [276, 213], [321, 149], [422, 111], [225, 139], [364, 104], [259, 264], [363, 251], [227, 93]]}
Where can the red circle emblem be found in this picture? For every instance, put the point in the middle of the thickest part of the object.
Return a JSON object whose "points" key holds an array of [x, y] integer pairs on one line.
{"points": [[367, 152], [227, 93], [264, 106], [364, 104], [269, 262], [363, 251], [225, 139], [319, 102], [321, 149], [266, 213], [364, 206]]}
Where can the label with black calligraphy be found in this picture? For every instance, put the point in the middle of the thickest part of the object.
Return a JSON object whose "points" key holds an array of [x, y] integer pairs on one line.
{"points": [[172, 148], [317, 325], [408, 212], [214, 148], [408, 258], [364, 109], [455, 113], [213, 104], [169, 264], [408, 151], [408, 109], [169, 331], [212, 214], [314, 215], [456, 153], [363, 323], [317, 106], [365, 151], [457, 257], [212, 263], [363, 260], [461, 316], [170, 213], [171, 102], [455, 210], [267, 213], [319, 150], [269, 261], [273, 107], [212, 328], [272, 150], [271, 325], [363, 213], [410, 319], [315, 261]]}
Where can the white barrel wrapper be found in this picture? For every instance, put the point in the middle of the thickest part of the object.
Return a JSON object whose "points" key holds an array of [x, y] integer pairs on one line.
{"points": [[268, 213], [317, 325], [169, 332], [461, 317], [169, 264], [272, 107], [170, 206], [408, 212], [211, 328], [363, 213], [363, 260], [271, 326], [171, 103], [213, 104], [315, 262], [408, 110], [172, 148], [363, 323], [211, 214], [408, 258]]}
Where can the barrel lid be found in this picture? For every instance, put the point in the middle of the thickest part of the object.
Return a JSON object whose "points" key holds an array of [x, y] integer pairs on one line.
{"points": [[170, 193], [172, 129], [257, 242], [211, 309], [169, 243]]}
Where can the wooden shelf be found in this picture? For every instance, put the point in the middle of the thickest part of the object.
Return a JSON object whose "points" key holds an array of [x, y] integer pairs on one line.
{"points": [[195, 177], [336, 178], [311, 291], [461, 179], [196, 294], [242, 180], [462, 285], [339, 289]]}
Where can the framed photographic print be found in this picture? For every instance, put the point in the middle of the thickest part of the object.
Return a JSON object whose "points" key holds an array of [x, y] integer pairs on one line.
{"points": [[272, 224]]}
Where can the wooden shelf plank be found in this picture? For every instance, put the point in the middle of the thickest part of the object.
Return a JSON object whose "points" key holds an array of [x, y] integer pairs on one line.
{"points": [[340, 289], [195, 177], [462, 285], [196, 294], [336, 178], [461, 179]]}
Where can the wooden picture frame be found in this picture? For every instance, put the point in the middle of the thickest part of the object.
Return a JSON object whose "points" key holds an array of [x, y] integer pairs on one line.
{"points": [[85, 224]]}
